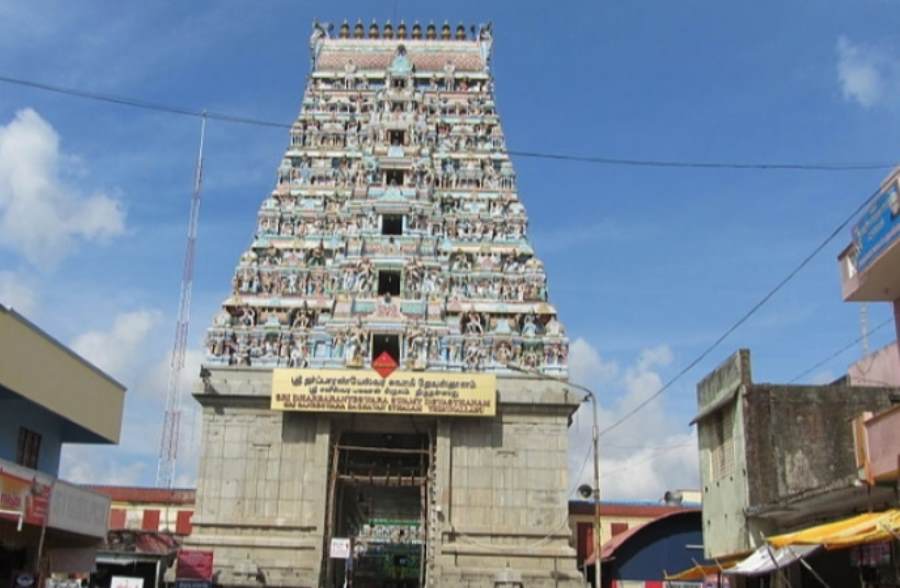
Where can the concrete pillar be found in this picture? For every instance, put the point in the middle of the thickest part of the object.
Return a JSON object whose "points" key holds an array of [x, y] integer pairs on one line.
{"points": [[897, 320]]}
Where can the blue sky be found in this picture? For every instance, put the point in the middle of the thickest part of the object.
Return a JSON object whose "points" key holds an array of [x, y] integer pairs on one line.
{"points": [[647, 266]]}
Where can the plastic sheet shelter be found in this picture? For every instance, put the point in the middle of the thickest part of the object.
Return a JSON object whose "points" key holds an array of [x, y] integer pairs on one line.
{"points": [[767, 559], [856, 530]]}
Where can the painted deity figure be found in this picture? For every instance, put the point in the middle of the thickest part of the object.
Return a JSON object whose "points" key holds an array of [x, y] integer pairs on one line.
{"points": [[298, 353], [554, 328], [473, 324], [248, 317], [316, 41], [529, 326]]}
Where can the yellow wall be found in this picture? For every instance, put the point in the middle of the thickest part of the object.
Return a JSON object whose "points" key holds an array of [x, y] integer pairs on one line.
{"points": [[38, 368]]}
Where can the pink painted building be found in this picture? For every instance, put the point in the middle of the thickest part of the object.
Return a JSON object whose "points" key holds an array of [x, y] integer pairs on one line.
{"points": [[870, 272]]}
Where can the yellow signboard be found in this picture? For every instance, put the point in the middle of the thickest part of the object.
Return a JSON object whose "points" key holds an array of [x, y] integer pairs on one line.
{"points": [[432, 393]]}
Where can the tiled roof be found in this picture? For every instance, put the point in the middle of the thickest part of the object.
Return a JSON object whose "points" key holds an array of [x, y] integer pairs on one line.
{"points": [[138, 494]]}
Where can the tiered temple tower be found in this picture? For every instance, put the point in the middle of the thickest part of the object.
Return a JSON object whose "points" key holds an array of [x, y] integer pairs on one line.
{"points": [[394, 232]]}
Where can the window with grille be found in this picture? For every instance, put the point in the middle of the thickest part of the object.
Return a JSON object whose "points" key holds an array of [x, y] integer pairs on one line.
{"points": [[28, 448], [721, 451]]}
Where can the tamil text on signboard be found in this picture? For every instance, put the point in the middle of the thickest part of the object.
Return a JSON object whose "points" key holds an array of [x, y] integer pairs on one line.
{"points": [[400, 393]]}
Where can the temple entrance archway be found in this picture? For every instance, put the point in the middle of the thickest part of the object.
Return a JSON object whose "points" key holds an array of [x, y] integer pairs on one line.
{"points": [[378, 499]]}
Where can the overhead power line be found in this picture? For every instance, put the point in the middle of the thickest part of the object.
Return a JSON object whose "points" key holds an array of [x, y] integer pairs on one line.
{"points": [[229, 118], [745, 317], [705, 164], [598, 160], [144, 104], [843, 349]]}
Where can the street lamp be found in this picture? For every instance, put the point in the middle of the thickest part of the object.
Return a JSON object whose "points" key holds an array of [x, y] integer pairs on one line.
{"points": [[584, 490]]}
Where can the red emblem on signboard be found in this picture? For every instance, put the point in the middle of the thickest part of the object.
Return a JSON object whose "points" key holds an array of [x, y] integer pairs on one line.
{"points": [[384, 364]]}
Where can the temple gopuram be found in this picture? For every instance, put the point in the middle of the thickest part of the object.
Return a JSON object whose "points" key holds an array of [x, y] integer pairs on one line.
{"points": [[384, 398]]}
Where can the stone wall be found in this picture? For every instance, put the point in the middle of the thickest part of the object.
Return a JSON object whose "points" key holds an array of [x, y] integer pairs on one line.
{"points": [[261, 494], [503, 493], [800, 438], [498, 499], [725, 530]]}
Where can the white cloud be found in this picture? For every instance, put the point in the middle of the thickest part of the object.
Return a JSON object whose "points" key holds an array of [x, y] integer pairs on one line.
{"points": [[645, 456], [118, 350], [41, 216], [134, 459], [586, 367], [867, 74], [158, 380], [88, 464], [17, 293]]}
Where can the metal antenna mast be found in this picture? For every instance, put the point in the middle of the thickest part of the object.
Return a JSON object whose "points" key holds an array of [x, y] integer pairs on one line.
{"points": [[168, 445]]}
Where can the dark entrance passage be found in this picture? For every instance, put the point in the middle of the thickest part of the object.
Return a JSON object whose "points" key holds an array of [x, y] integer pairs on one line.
{"points": [[378, 500]]}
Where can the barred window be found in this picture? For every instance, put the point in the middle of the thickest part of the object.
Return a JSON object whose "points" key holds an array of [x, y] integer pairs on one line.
{"points": [[28, 448]]}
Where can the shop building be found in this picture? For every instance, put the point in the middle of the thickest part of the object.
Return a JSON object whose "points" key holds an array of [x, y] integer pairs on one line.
{"points": [[777, 459], [164, 510], [49, 396]]}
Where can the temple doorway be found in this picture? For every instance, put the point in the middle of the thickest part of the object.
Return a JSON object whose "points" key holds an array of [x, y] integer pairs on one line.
{"points": [[378, 500]]}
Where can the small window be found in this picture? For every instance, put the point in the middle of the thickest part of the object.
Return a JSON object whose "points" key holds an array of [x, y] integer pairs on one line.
{"points": [[389, 343], [397, 138], [392, 224], [28, 449], [394, 177], [389, 283], [617, 528]]}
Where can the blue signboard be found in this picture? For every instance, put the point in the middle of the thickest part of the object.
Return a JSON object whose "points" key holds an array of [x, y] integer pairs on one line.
{"points": [[879, 226]]}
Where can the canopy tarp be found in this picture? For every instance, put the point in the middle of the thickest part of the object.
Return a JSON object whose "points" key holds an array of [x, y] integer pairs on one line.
{"points": [[698, 573], [767, 559], [871, 527]]}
